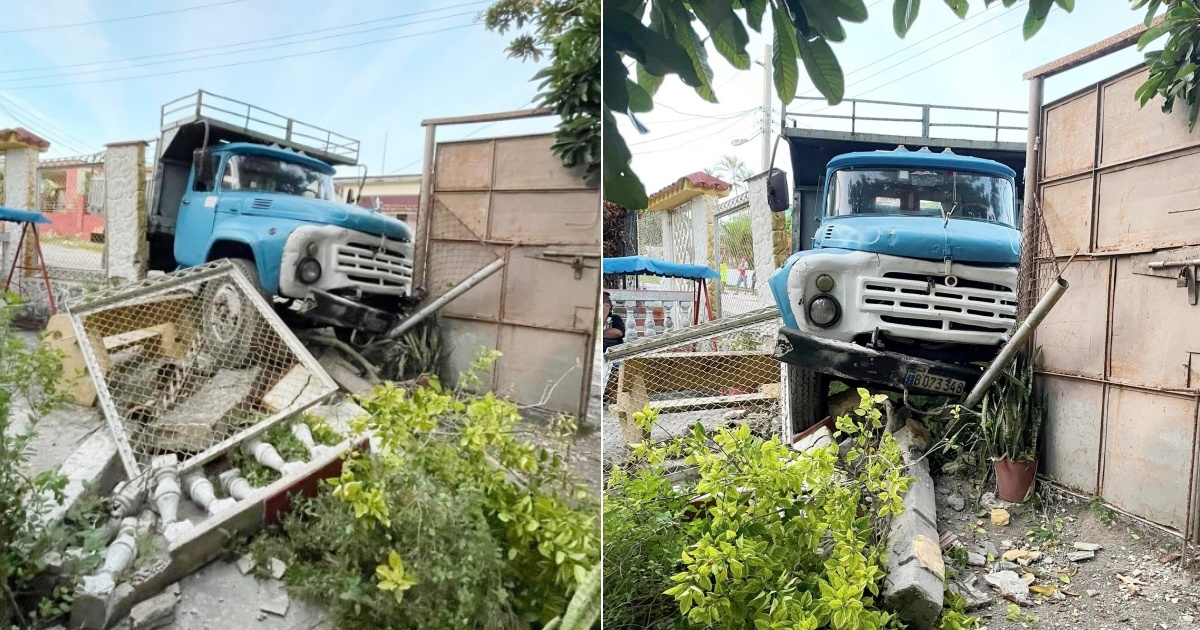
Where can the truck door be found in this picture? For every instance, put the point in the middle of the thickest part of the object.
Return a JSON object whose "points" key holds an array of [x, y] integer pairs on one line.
{"points": [[197, 212]]}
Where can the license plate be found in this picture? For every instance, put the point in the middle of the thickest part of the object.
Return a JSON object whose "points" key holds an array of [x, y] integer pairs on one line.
{"points": [[922, 379]]}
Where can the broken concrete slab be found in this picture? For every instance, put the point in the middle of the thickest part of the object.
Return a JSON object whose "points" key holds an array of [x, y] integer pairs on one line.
{"points": [[916, 571], [296, 387], [338, 416], [1080, 556], [156, 612], [345, 374], [1083, 546], [277, 606], [195, 424], [230, 600], [94, 464], [278, 568], [1009, 584], [976, 559]]}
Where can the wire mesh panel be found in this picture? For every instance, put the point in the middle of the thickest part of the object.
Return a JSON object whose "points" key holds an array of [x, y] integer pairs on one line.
{"points": [[716, 372], [192, 363]]}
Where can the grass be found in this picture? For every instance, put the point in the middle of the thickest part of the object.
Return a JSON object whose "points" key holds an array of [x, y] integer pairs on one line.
{"points": [[71, 242]]}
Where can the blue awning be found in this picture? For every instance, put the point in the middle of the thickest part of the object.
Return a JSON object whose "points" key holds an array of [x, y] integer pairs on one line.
{"points": [[21, 216], [644, 265]]}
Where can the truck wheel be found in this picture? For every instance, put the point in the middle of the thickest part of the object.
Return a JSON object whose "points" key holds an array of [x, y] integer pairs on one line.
{"points": [[229, 322], [808, 392]]}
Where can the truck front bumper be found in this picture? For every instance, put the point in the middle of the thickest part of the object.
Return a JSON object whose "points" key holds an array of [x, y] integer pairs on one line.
{"points": [[335, 310], [879, 367]]}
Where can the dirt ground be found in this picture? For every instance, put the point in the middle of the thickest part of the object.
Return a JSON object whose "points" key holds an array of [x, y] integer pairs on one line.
{"points": [[1133, 581]]}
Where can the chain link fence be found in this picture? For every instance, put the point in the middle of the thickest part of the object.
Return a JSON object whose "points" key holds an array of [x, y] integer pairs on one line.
{"points": [[713, 373], [192, 363], [71, 193]]}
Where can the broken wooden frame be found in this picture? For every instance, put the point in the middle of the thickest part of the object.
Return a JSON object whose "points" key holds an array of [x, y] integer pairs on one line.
{"points": [[194, 363]]}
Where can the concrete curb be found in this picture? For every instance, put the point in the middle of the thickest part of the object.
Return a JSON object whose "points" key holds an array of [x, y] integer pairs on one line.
{"points": [[915, 584]]}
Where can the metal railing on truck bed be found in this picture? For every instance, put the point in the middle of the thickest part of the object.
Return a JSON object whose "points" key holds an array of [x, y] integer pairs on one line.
{"points": [[929, 117], [237, 116]]}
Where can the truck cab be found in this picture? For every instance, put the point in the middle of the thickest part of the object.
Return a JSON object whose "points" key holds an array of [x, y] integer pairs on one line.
{"points": [[266, 201], [911, 278]]}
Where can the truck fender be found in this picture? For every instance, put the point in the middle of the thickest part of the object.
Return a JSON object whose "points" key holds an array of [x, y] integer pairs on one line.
{"points": [[267, 247]]}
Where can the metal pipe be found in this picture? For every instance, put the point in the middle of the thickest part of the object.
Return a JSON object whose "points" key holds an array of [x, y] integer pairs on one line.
{"points": [[1166, 264], [1015, 345], [446, 298], [425, 207]]}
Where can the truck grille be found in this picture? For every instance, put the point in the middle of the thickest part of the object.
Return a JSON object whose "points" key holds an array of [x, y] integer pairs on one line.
{"points": [[371, 270], [926, 302]]}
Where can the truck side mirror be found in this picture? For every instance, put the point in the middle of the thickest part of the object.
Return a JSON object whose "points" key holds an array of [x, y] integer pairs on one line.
{"points": [[778, 197]]}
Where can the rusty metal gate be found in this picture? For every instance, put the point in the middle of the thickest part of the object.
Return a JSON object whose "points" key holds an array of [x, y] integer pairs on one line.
{"points": [[511, 198], [1117, 190]]}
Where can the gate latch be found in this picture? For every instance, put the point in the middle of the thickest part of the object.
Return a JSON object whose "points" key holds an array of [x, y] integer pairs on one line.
{"points": [[1187, 278]]}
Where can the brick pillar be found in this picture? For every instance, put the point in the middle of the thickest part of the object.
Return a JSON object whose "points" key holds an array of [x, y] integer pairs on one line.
{"points": [[125, 249]]}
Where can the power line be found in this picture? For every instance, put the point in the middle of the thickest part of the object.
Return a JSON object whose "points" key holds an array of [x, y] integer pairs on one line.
{"points": [[120, 19], [692, 130], [186, 55], [48, 122], [720, 131], [38, 131], [242, 63]]}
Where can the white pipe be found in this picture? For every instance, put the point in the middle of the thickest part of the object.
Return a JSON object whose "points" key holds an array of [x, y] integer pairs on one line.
{"points": [[1014, 345], [449, 296]]}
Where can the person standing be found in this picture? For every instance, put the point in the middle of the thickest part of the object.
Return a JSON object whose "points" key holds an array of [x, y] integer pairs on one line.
{"points": [[742, 267], [614, 325]]}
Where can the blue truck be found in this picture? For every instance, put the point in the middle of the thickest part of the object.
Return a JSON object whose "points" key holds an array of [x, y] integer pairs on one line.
{"points": [[233, 181], [909, 278]]}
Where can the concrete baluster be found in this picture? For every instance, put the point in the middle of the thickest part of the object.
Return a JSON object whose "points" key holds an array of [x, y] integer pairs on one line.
{"points": [[119, 555]]}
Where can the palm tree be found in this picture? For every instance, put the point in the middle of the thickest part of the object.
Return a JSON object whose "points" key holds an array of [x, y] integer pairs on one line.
{"points": [[732, 169]]}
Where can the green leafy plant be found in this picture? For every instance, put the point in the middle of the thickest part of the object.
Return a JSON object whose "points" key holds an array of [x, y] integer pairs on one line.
{"points": [[452, 513], [664, 38], [1172, 69], [568, 32], [1011, 417], [761, 534]]}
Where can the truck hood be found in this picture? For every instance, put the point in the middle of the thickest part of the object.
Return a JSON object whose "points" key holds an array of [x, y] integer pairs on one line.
{"points": [[928, 238], [326, 212]]}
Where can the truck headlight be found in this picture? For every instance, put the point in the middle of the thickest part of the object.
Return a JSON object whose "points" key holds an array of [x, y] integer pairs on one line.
{"points": [[308, 271], [824, 311]]}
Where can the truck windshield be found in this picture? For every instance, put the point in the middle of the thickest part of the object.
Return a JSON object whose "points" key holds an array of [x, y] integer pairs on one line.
{"points": [[920, 193], [267, 174]]}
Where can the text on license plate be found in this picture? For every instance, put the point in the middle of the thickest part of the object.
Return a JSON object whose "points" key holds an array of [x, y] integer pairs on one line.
{"points": [[922, 379]]}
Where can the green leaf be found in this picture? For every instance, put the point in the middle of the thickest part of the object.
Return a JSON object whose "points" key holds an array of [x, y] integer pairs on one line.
{"points": [[904, 13], [728, 33], [1040, 8], [755, 9], [824, 19], [785, 51], [823, 69], [660, 55], [1153, 33], [1066, 5], [678, 21], [850, 10], [639, 98], [621, 185], [960, 7], [649, 82], [616, 95], [1032, 24]]}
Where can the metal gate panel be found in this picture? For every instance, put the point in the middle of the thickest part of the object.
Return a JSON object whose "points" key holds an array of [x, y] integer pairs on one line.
{"points": [[465, 340], [542, 365], [1072, 432], [1132, 132], [1073, 334], [544, 290], [1070, 149], [1149, 206], [1149, 346], [527, 163], [1148, 446], [1067, 211], [459, 216], [483, 300], [568, 218], [464, 166]]}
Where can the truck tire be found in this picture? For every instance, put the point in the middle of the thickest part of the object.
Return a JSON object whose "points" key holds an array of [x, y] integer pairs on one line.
{"points": [[808, 392], [229, 322]]}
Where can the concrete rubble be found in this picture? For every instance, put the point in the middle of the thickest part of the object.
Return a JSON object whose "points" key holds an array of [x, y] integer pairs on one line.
{"points": [[916, 570]]}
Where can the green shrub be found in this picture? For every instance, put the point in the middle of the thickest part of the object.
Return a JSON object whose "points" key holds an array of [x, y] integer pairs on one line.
{"points": [[761, 537], [452, 521]]}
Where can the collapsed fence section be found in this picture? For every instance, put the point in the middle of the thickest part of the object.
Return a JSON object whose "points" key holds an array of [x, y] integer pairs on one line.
{"points": [[717, 372], [192, 363]]}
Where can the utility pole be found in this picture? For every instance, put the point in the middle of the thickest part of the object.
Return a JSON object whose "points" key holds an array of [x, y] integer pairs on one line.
{"points": [[766, 121], [383, 162]]}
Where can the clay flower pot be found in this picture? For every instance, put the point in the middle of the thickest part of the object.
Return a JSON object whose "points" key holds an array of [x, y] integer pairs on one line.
{"points": [[1014, 480]]}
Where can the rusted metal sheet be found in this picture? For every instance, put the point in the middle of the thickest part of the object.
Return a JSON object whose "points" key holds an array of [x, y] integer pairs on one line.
{"points": [[551, 291], [526, 163], [1150, 339], [1067, 211], [464, 166], [566, 217], [1072, 431], [451, 263], [1148, 446], [1131, 131], [460, 216], [1070, 137], [1149, 206], [541, 367], [1073, 334], [1124, 39]]}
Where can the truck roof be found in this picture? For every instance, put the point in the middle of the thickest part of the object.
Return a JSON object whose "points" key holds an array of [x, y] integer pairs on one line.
{"points": [[901, 156], [275, 151]]}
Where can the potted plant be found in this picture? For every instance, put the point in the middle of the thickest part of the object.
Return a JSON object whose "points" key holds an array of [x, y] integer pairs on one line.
{"points": [[1011, 421]]}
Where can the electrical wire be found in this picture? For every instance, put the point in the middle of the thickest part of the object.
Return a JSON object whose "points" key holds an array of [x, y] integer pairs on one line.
{"points": [[717, 132], [30, 29], [187, 56], [687, 131], [242, 63], [54, 137]]}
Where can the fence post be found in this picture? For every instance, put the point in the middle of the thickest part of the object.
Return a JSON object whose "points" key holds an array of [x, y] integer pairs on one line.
{"points": [[924, 121], [21, 150], [125, 213], [763, 232]]}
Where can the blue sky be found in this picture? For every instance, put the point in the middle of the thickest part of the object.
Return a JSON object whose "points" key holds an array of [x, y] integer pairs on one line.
{"points": [[977, 62], [362, 92]]}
